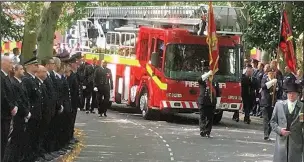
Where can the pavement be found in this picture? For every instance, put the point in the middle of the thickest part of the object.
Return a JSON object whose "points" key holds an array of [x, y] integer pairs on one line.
{"points": [[124, 136]]}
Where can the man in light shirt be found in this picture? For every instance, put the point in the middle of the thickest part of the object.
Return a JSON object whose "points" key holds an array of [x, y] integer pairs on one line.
{"points": [[287, 123]]}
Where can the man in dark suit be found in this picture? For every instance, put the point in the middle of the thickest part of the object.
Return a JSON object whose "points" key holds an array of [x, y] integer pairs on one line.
{"points": [[81, 78], [249, 88], [103, 83], [18, 138], [35, 99], [8, 103], [88, 83]]}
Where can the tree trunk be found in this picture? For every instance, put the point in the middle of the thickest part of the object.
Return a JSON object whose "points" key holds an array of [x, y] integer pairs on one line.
{"points": [[265, 56], [30, 28], [49, 17]]}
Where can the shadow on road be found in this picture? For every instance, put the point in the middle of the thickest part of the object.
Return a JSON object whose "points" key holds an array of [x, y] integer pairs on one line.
{"points": [[186, 119]]}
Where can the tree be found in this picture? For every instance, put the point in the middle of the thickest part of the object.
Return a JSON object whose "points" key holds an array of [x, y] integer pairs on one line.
{"points": [[73, 11], [49, 16], [264, 25], [31, 20], [10, 30]]}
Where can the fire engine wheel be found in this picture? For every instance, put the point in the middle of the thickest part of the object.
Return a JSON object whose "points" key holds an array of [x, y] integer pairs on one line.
{"points": [[217, 117], [143, 105]]}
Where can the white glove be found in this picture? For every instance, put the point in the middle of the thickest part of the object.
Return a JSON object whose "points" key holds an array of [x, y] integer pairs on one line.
{"points": [[277, 89], [95, 89], [206, 75], [271, 83], [14, 111], [257, 99], [61, 110], [29, 115], [26, 119], [84, 87]]}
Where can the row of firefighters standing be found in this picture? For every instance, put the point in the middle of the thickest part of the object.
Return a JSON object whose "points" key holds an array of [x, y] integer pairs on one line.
{"points": [[280, 100], [39, 105]]}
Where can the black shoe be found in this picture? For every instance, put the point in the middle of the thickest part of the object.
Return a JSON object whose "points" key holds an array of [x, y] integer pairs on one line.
{"points": [[105, 114], [47, 157], [60, 152], [202, 134], [88, 112], [92, 112], [54, 154], [266, 138]]}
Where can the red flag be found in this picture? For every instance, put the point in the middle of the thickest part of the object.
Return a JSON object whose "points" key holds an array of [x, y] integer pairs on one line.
{"points": [[286, 43], [212, 41]]}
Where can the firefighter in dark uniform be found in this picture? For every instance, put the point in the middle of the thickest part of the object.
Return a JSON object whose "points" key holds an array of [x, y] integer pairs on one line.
{"points": [[41, 75], [288, 79], [55, 127], [8, 103], [50, 112], [207, 104], [67, 111], [81, 78], [88, 84], [103, 83], [16, 148], [249, 88], [74, 91], [35, 98], [269, 95]]}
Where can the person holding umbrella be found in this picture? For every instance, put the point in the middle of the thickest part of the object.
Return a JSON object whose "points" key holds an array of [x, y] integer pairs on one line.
{"points": [[288, 123]]}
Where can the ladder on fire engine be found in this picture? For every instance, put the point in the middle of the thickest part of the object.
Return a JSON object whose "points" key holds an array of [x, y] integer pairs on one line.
{"points": [[226, 16], [188, 17]]}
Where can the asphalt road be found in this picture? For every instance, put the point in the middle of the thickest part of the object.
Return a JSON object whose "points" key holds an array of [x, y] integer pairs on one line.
{"points": [[125, 137]]}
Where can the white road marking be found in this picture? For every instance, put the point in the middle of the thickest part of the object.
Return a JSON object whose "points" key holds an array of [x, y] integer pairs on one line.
{"points": [[138, 124]]}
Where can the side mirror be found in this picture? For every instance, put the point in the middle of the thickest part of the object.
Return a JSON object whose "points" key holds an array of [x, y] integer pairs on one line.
{"points": [[155, 59]]}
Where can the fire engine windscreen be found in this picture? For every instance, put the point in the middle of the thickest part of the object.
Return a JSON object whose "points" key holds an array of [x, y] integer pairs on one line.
{"points": [[185, 62]]}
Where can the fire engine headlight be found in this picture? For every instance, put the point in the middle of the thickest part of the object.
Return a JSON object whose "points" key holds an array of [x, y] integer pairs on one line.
{"points": [[176, 95]]}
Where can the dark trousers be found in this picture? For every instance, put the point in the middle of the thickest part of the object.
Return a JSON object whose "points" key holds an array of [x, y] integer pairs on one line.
{"points": [[73, 120], [54, 132], [15, 149], [267, 113], [206, 118], [81, 98], [5, 127], [103, 99], [247, 107], [34, 131], [88, 94]]}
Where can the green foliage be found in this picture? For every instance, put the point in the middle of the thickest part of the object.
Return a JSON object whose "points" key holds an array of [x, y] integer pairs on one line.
{"points": [[9, 29], [71, 12], [264, 25], [263, 30]]}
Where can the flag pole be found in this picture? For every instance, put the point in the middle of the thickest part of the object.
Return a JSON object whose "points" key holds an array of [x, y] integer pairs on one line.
{"points": [[278, 49]]}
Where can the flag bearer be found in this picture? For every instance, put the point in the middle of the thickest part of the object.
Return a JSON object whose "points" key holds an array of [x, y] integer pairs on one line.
{"points": [[206, 104], [269, 96]]}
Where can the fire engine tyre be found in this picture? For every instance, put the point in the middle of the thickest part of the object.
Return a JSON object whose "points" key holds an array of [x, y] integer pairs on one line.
{"points": [[217, 117], [143, 105]]}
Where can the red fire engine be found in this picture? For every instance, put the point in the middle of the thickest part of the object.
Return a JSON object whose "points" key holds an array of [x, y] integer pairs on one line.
{"points": [[156, 56]]}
